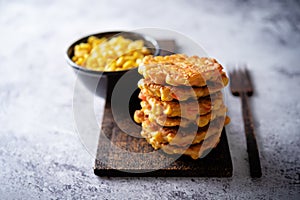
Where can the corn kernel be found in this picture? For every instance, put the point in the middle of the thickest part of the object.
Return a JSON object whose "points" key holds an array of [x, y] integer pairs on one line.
{"points": [[138, 61], [91, 39], [74, 58], [120, 61], [85, 56], [145, 51], [113, 65], [79, 61], [129, 58], [136, 55], [85, 46], [128, 64]]}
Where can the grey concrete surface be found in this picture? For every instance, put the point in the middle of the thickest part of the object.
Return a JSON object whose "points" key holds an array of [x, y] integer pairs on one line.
{"points": [[41, 155]]}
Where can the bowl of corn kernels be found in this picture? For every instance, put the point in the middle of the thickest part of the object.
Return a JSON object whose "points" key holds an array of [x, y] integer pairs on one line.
{"points": [[101, 59]]}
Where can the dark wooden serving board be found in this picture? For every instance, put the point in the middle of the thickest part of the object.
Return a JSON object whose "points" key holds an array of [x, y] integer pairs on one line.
{"points": [[114, 145], [119, 140]]}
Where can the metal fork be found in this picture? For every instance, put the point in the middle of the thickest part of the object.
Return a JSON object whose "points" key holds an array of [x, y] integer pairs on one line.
{"points": [[241, 85]]}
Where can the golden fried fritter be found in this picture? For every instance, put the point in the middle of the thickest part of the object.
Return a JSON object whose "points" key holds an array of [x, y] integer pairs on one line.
{"points": [[201, 120], [186, 109], [194, 151], [157, 135], [179, 69], [169, 93]]}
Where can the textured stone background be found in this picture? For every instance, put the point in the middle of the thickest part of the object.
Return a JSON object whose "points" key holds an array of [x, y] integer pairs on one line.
{"points": [[41, 155]]}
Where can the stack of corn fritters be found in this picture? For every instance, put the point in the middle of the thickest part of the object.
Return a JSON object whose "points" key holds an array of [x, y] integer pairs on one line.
{"points": [[182, 104]]}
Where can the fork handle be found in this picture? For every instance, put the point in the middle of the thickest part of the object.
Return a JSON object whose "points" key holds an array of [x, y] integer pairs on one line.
{"points": [[254, 162]]}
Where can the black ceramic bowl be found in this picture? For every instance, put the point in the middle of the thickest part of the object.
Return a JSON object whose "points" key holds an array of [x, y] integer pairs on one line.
{"points": [[103, 82]]}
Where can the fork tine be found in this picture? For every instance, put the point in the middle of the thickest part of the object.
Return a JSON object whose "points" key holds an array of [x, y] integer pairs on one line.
{"points": [[234, 82], [250, 85], [246, 82]]}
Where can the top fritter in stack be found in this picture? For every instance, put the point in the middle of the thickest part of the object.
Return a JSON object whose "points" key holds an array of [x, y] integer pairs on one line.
{"points": [[182, 104]]}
